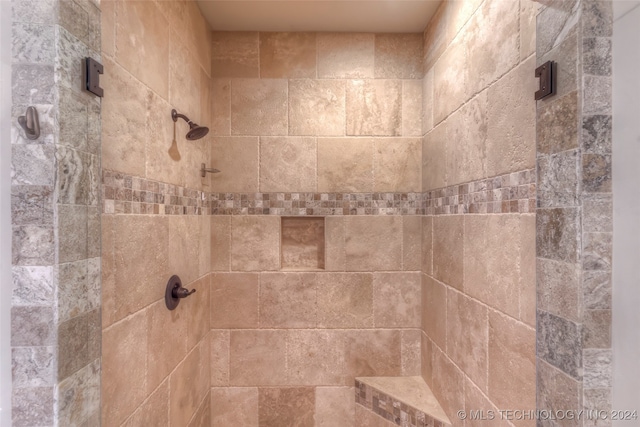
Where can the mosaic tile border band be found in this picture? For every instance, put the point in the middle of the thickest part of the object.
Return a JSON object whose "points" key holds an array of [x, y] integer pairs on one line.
{"points": [[391, 409], [510, 193]]}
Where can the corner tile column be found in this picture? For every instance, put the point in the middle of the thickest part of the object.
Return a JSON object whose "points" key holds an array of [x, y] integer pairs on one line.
{"points": [[574, 211]]}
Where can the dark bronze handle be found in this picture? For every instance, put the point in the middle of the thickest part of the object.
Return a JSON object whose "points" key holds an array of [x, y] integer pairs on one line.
{"points": [[180, 292]]}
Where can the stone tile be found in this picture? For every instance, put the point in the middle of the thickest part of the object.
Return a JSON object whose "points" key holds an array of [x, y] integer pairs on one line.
{"points": [[73, 238], [451, 82], [334, 243], [31, 205], [123, 147], [597, 400], [528, 12], [197, 310], [32, 286], [597, 53], [345, 300], [467, 336], [32, 164], [237, 158], [427, 245], [144, 240], [467, 144], [219, 357], [143, 44], [234, 406], [596, 290], [221, 107], [427, 102], [596, 329], [317, 107], [434, 310], [220, 243], [234, 300], [475, 399], [123, 390], [259, 107], [512, 363], [344, 164], [288, 300], [565, 56], [235, 54], [557, 234], [598, 370], [74, 18], [362, 233], [286, 406], [335, 406], [398, 56], [34, 11], [434, 155], [426, 359], [166, 341], [598, 19], [556, 125], [32, 84], [315, 357], [184, 74], [410, 352], [557, 184], [288, 164], [528, 284], [73, 350], [559, 342], [372, 352], [596, 134], [204, 240], [108, 30], [32, 245], [558, 21], [411, 242], [184, 230], [511, 121], [287, 55], [79, 395], [302, 243], [448, 249], [33, 367], [189, 385], [396, 164], [345, 55], [597, 211], [78, 177], [165, 151], [255, 243], [202, 417], [448, 380], [374, 107], [557, 390], [596, 173], [257, 357], [33, 43], [435, 38], [365, 417], [154, 411], [396, 300], [32, 405], [597, 95], [32, 326], [559, 290]]}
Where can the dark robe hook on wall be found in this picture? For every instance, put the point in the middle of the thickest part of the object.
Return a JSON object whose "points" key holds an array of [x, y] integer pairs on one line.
{"points": [[30, 123]]}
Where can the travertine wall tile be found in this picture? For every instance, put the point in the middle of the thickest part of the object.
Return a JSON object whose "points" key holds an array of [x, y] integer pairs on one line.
{"points": [[372, 352], [335, 255], [220, 243], [396, 300], [234, 300], [364, 233], [435, 39], [396, 164], [286, 406], [234, 406], [257, 357], [398, 56], [189, 384], [287, 55], [221, 107], [374, 107], [235, 54], [237, 158], [335, 406], [288, 300], [154, 411], [434, 155], [345, 55], [345, 300], [448, 380], [411, 352], [315, 357], [259, 107], [411, 243], [288, 164], [434, 311], [451, 82], [255, 243], [412, 105], [448, 250], [184, 232], [317, 107], [219, 357], [184, 71], [345, 164]]}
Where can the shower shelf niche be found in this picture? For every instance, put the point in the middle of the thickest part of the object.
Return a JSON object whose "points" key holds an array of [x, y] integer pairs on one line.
{"points": [[302, 243]]}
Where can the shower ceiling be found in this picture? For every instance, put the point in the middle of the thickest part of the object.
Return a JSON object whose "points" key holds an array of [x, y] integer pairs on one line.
{"points": [[390, 16]]}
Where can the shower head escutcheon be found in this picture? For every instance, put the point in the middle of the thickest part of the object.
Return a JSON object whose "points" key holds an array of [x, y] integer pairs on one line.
{"points": [[195, 131]]}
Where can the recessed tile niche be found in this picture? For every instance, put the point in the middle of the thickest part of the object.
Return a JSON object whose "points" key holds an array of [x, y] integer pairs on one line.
{"points": [[302, 246]]}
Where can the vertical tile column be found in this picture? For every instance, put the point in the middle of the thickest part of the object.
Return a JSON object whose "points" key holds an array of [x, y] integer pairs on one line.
{"points": [[55, 222], [574, 215]]}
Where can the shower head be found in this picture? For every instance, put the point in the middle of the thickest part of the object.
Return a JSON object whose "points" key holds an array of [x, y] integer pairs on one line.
{"points": [[195, 131]]}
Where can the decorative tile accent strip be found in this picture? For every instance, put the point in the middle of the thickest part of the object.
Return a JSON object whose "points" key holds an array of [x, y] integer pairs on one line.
{"points": [[392, 409], [510, 193], [133, 195]]}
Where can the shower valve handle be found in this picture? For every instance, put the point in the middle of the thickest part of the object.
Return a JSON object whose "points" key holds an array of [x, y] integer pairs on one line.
{"points": [[180, 292]]}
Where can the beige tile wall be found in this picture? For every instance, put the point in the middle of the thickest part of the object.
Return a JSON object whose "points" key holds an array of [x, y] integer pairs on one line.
{"points": [[156, 362], [311, 112], [478, 281]]}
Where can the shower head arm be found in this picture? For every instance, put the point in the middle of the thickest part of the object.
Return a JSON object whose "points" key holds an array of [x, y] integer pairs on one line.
{"points": [[175, 115]]}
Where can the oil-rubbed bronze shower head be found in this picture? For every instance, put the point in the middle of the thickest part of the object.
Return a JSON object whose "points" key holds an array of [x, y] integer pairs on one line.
{"points": [[195, 131]]}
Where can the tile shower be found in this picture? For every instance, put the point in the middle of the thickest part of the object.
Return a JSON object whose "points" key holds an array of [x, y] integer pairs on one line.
{"points": [[375, 215]]}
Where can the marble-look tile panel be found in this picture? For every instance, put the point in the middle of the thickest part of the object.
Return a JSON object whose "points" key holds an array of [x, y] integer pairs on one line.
{"points": [[558, 234], [32, 326], [32, 406], [31, 205], [596, 134], [78, 177], [33, 367], [32, 286], [557, 184], [598, 370], [559, 342]]}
